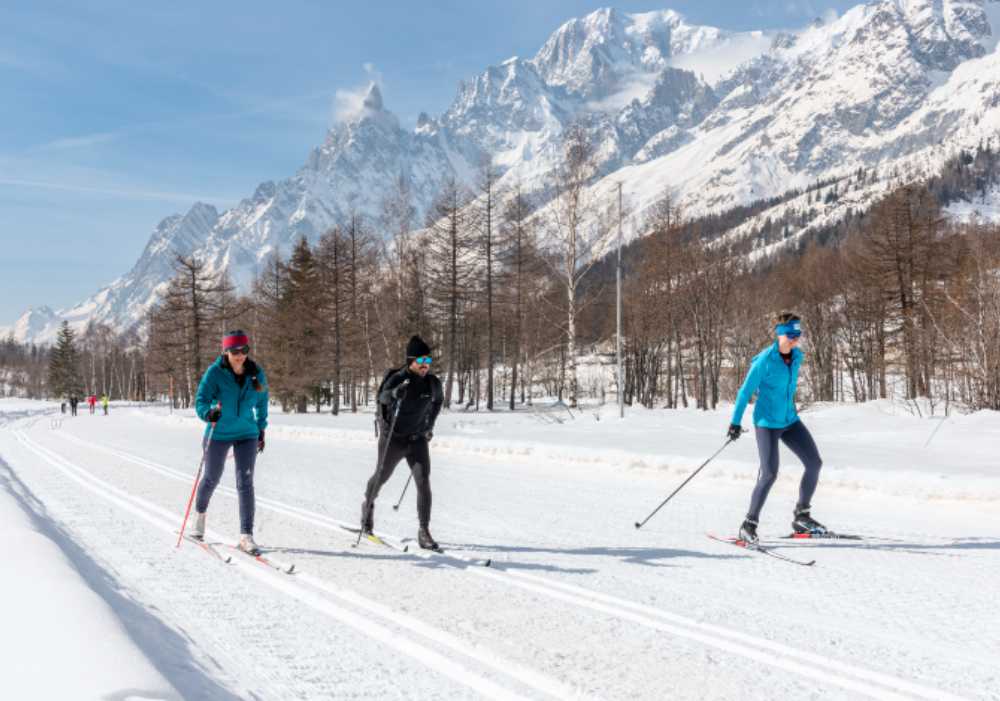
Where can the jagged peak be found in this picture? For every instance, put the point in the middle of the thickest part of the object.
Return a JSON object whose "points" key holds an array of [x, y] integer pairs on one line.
{"points": [[203, 208], [265, 191], [373, 99]]}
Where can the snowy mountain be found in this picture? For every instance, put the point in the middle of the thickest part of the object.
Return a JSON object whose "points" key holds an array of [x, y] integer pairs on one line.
{"points": [[714, 118]]}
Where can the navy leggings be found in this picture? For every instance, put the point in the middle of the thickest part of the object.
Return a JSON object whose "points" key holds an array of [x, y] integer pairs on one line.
{"points": [[245, 452], [800, 442]]}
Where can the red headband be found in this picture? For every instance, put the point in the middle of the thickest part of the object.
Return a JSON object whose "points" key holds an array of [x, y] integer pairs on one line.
{"points": [[235, 342]]}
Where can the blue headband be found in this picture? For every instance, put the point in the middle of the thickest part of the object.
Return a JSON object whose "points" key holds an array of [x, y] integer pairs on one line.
{"points": [[792, 329]]}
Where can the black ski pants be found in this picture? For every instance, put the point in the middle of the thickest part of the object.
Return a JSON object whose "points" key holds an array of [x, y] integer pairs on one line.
{"points": [[418, 457], [799, 441], [245, 452]]}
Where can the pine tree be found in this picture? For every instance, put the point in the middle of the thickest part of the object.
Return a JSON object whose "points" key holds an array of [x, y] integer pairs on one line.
{"points": [[64, 364]]}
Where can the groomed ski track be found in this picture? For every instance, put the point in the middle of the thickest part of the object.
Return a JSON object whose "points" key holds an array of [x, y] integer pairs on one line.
{"points": [[558, 616]]}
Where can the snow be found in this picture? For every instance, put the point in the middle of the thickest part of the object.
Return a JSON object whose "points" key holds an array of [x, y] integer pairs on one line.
{"points": [[68, 632], [578, 604], [985, 209]]}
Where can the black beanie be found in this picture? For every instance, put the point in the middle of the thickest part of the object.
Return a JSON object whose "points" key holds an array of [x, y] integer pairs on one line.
{"points": [[416, 347]]}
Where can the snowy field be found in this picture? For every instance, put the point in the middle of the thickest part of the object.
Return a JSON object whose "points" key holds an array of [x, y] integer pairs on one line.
{"points": [[98, 604]]}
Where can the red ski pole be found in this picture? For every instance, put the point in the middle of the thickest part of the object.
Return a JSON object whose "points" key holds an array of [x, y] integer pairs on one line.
{"points": [[197, 478]]}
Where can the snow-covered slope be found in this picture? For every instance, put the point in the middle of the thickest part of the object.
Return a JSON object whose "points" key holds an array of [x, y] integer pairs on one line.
{"points": [[714, 118]]}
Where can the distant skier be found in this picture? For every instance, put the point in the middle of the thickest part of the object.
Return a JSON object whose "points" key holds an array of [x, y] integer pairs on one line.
{"points": [[773, 376], [414, 397], [73, 401], [104, 403], [92, 402], [238, 386]]}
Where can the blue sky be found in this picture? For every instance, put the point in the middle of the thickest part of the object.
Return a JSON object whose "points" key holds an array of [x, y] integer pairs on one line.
{"points": [[117, 114]]}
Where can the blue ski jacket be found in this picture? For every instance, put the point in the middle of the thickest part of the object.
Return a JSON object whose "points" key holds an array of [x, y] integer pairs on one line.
{"points": [[244, 409], [774, 384]]}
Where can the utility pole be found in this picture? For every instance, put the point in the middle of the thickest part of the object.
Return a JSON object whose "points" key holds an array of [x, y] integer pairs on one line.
{"points": [[618, 276]]}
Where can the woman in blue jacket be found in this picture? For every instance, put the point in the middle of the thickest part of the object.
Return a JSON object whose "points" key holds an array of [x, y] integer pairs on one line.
{"points": [[773, 377], [233, 396]]}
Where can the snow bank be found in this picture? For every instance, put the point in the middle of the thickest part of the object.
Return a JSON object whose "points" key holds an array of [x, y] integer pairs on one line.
{"points": [[61, 640], [885, 447]]}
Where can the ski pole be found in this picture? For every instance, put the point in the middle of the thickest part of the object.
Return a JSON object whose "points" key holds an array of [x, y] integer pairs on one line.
{"points": [[405, 487], [690, 477], [381, 462], [197, 478]]}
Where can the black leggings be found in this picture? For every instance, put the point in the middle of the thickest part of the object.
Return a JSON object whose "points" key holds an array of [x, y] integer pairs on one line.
{"points": [[418, 457], [799, 441], [245, 452]]}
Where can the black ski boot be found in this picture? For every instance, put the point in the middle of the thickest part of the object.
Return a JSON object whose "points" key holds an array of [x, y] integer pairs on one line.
{"points": [[748, 532], [425, 540], [367, 517], [806, 524]]}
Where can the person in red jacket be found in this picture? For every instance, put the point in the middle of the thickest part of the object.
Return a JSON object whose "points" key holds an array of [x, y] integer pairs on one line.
{"points": [[92, 402]]}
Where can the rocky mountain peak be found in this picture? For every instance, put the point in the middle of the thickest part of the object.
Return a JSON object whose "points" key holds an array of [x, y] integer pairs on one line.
{"points": [[882, 86], [373, 99]]}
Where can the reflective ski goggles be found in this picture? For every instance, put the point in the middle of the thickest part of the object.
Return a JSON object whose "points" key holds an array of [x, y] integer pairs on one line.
{"points": [[423, 360], [239, 350], [793, 329]]}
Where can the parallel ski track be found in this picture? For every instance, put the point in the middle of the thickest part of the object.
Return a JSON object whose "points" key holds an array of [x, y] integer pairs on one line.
{"points": [[164, 520], [760, 650]]}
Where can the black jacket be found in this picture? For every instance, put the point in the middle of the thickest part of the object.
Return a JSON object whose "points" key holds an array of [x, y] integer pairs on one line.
{"points": [[421, 402]]}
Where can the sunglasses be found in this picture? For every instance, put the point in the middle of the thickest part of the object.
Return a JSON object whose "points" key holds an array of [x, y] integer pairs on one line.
{"points": [[423, 360], [242, 350]]}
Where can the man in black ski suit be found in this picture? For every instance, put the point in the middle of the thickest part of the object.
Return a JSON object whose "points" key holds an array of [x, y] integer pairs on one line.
{"points": [[416, 395]]}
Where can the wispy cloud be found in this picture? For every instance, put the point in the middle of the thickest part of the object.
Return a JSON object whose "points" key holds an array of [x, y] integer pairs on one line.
{"points": [[20, 62], [719, 60], [74, 142], [117, 191], [348, 103]]}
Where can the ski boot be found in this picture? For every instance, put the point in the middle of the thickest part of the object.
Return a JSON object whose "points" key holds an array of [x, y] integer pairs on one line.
{"points": [[425, 540], [367, 517], [247, 545], [198, 529], [806, 524], [748, 532]]}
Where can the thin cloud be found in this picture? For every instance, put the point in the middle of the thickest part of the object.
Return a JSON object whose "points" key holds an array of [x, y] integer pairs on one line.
{"points": [[19, 62], [123, 192], [74, 142]]}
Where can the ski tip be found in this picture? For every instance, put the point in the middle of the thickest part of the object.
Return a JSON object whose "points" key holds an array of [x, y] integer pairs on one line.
{"points": [[638, 525], [406, 548]]}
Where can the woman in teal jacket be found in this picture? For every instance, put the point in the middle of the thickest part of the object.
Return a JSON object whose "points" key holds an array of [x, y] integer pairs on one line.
{"points": [[233, 397], [773, 377]]}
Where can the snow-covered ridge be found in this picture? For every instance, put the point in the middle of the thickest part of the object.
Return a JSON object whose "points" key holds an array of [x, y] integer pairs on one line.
{"points": [[715, 118]]}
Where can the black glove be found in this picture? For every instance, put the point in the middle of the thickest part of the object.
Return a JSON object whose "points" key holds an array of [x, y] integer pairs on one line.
{"points": [[428, 436], [735, 430], [213, 414], [260, 442], [399, 391]]}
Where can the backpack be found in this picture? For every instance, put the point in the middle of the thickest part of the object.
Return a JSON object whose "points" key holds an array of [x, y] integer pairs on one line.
{"points": [[382, 417]]}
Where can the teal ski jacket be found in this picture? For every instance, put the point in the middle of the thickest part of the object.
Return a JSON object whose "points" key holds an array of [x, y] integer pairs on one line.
{"points": [[774, 384], [244, 409]]}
